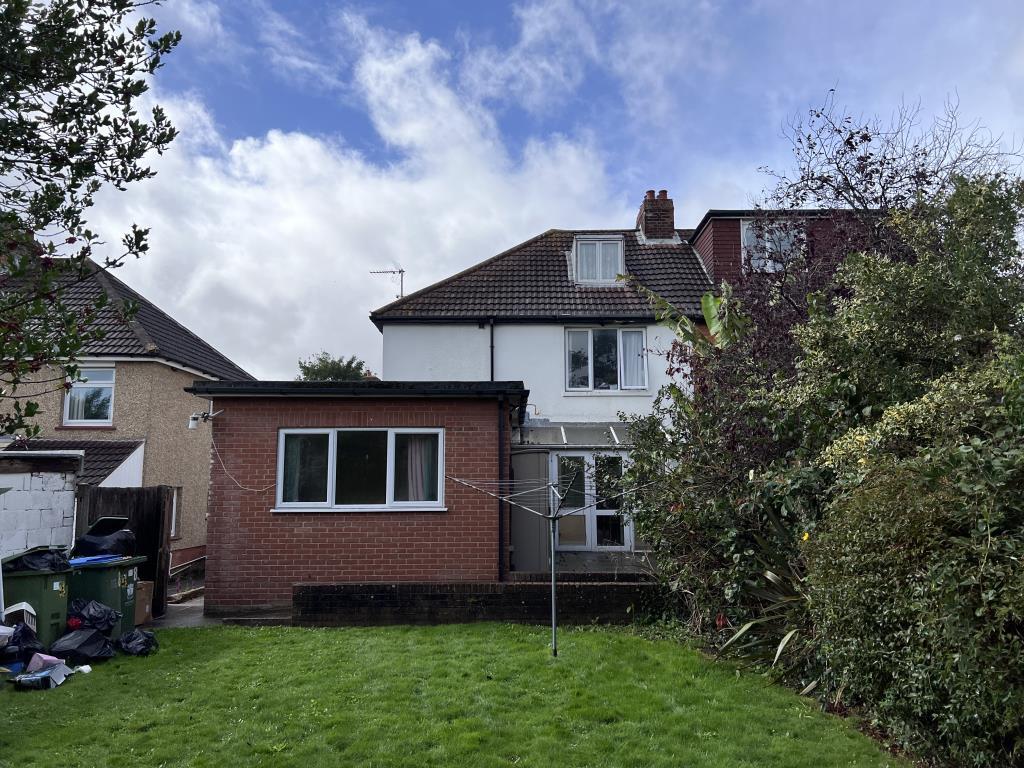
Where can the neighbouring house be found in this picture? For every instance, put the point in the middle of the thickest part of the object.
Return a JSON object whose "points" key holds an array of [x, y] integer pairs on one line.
{"points": [[510, 376], [129, 414]]}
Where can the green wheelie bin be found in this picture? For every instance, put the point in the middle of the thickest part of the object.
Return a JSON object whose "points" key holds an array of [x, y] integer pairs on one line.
{"points": [[111, 583], [46, 591]]}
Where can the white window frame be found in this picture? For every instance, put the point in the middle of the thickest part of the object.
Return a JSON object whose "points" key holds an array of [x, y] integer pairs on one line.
{"points": [[599, 239], [590, 358], [67, 420], [390, 504], [591, 513]]}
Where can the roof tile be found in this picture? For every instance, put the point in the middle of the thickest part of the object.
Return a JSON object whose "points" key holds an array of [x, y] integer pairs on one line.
{"points": [[531, 283]]}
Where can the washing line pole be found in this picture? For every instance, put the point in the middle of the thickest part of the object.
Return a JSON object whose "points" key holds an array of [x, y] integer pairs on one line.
{"points": [[552, 517], [554, 598]]}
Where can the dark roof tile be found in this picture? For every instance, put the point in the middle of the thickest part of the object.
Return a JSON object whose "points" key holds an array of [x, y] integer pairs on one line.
{"points": [[531, 283], [150, 332], [101, 456]]}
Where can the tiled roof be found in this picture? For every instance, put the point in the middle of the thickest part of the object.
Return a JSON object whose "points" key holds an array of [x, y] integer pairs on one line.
{"points": [[150, 333], [101, 456], [531, 283]]}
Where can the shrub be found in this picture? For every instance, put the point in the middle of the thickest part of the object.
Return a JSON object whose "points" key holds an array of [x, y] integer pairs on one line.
{"points": [[917, 591]]}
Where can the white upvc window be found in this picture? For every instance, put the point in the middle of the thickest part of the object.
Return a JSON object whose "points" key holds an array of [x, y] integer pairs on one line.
{"points": [[90, 400], [588, 494], [598, 260], [604, 359], [770, 246], [360, 469]]}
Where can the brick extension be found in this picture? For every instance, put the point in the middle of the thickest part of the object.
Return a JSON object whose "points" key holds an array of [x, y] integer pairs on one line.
{"points": [[257, 555]]}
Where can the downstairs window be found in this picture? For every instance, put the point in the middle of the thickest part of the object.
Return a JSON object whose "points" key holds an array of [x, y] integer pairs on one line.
{"points": [[360, 469]]}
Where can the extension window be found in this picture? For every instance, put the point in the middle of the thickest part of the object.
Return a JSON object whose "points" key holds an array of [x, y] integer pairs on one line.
{"points": [[360, 469]]}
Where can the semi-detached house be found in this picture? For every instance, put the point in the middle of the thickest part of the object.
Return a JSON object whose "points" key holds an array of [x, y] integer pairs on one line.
{"points": [[507, 377]]}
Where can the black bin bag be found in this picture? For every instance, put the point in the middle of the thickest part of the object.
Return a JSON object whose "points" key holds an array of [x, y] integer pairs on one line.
{"points": [[83, 646], [107, 536], [94, 615], [22, 646], [138, 642]]}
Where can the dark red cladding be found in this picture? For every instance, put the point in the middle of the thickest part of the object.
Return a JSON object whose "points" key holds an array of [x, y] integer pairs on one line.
{"points": [[255, 555], [719, 248]]}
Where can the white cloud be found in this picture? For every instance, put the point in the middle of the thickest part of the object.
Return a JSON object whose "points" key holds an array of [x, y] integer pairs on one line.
{"points": [[547, 62], [292, 53], [263, 246]]}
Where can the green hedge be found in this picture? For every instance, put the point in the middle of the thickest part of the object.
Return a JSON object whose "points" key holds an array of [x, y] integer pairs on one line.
{"points": [[917, 591]]}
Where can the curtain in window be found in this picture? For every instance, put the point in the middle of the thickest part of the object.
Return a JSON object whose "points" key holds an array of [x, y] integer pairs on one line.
{"points": [[633, 373], [415, 467], [586, 261], [610, 260]]}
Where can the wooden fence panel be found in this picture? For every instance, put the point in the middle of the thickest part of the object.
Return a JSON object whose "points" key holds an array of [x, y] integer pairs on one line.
{"points": [[149, 517]]}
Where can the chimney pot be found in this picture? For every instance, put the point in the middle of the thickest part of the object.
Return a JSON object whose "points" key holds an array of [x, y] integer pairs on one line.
{"points": [[663, 194], [650, 194]]}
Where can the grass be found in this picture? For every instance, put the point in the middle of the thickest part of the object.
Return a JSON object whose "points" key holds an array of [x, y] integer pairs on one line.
{"points": [[469, 695]]}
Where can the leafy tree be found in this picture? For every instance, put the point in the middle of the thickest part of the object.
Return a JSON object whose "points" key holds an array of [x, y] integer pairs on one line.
{"points": [[72, 75], [324, 367], [899, 266]]}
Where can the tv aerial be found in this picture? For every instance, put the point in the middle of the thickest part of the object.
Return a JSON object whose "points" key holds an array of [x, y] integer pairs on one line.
{"points": [[401, 278]]}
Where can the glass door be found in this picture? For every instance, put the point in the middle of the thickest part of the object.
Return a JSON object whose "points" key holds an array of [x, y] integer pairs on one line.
{"points": [[590, 486]]}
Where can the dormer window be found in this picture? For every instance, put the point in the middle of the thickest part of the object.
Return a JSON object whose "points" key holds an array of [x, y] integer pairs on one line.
{"points": [[769, 247], [598, 260]]}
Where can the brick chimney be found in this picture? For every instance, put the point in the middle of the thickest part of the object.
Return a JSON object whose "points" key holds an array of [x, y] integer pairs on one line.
{"points": [[657, 218]]}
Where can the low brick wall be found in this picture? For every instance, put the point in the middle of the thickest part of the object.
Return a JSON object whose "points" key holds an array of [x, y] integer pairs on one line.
{"points": [[432, 603]]}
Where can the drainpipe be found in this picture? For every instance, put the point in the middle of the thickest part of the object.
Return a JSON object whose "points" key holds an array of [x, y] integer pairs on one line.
{"points": [[492, 349], [501, 483]]}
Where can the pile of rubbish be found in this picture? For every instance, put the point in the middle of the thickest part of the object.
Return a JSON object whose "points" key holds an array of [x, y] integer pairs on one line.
{"points": [[31, 666], [52, 603]]}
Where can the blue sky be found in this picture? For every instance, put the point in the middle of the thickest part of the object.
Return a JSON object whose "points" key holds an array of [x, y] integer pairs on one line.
{"points": [[324, 139]]}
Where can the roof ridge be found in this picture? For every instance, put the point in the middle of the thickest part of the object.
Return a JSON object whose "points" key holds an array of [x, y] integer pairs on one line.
{"points": [[120, 287], [467, 271]]}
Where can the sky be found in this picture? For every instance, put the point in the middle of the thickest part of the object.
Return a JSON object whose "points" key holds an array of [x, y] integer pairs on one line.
{"points": [[322, 140]]}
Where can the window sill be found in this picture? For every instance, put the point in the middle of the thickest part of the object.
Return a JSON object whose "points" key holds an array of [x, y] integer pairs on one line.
{"points": [[91, 427], [357, 510], [607, 393]]}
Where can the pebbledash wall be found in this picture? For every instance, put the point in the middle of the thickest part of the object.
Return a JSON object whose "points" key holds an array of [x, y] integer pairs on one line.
{"points": [[256, 555]]}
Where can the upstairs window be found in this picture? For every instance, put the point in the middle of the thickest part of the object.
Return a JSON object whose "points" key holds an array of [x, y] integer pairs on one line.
{"points": [[770, 246], [90, 401], [359, 469], [605, 359], [598, 261]]}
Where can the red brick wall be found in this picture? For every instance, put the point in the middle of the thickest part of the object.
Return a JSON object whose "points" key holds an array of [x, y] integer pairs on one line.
{"points": [[656, 218], [255, 555], [720, 249]]}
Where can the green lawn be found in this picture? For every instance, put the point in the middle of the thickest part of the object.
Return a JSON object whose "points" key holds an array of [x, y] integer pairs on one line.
{"points": [[469, 695]]}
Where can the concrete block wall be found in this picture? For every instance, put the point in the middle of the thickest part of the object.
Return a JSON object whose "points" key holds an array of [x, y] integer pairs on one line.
{"points": [[37, 510]]}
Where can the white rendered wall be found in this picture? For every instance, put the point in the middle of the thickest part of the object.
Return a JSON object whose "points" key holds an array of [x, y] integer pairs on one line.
{"points": [[534, 354], [129, 473], [38, 510], [436, 352]]}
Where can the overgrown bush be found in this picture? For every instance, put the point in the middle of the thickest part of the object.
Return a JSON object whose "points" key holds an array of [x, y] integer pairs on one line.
{"points": [[916, 584], [837, 487]]}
